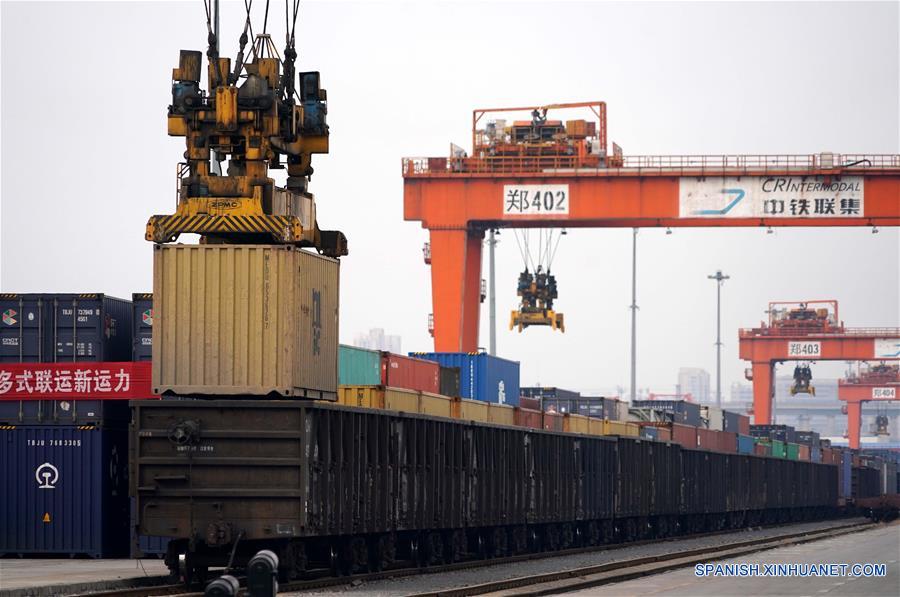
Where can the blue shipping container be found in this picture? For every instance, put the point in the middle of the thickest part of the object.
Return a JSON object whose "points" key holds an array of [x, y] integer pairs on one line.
{"points": [[114, 413], [481, 376], [650, 432], [142, 326], [745, 444], [64, 327], [65, 491]]}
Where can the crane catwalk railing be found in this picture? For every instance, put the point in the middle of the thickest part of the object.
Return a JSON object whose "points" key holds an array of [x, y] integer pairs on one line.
{"points": [[561, 165], [836, 333]]}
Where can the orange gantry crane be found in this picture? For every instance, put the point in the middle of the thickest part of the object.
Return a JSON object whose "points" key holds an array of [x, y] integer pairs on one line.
{"points": [[543, 173], [804, 332], [880, 383]]}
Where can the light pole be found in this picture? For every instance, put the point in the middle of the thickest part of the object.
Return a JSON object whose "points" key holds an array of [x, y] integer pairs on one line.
{"points": [[634, 308], [492, 306], [720, 278]]}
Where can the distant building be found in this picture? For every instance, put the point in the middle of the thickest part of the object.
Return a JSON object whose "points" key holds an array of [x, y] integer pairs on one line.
{"points": [[376, 339], [694, 381]]}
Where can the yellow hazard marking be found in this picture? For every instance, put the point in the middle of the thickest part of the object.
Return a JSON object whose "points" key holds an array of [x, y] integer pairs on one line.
{"points": [[46, 517]]}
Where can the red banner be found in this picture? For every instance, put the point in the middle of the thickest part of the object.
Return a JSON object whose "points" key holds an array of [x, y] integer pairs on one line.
{"points": [[75, 381]]}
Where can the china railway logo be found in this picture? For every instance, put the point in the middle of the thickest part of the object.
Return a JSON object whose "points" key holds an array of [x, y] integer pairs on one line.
{"points": [[9, 317], [46, 475], [738, 195], [147, 317]]}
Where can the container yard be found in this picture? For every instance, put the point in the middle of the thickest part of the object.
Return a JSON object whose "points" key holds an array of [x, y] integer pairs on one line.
{"points": [[230, 428]]}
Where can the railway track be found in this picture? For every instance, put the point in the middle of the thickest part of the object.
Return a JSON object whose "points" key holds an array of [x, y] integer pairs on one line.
{"points": [[540, 584]]}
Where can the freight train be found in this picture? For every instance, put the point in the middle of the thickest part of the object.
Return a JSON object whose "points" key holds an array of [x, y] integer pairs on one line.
{"points": [[348, 488]]}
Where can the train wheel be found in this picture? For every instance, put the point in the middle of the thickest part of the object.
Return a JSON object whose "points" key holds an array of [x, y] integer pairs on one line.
{"points": [[292, 561], [551, 537], [384, 551]]}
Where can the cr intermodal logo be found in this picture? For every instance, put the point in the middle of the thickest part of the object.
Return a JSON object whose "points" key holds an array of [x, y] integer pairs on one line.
{"points": [[147, 317], [9, 317], [738, 195]]}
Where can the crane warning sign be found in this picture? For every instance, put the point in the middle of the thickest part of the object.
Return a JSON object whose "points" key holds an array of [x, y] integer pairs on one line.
{"points": [[771, 197]]}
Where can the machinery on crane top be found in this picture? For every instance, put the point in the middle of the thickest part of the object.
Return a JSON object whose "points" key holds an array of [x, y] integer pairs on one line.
{"points": [[804, 317], [540, 141], [259, 115]]}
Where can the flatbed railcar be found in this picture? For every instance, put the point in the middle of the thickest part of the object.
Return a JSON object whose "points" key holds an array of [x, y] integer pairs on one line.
{"points": [[352, 488]]}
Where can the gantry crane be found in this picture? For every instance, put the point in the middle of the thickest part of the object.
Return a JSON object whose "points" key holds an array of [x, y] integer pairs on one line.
{"points": [[258, 115], [879, 383], [576, 182], [806, 331]]}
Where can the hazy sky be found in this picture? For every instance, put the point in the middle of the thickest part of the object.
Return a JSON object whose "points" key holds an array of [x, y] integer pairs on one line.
{"points": [[86, 159]]}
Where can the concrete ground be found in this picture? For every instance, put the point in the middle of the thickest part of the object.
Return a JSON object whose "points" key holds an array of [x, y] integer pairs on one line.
{"points": [[35, 573], [877, 546]]}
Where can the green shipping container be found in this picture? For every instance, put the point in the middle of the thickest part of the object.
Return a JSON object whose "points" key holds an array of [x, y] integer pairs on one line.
{"points": [[778, 449], [358, 366], [793, 451]]}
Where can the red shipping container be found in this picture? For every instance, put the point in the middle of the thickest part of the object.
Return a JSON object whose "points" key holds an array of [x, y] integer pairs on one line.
{"points": [[804, 452], [530, 403], [707, 439], [553, 422], [525, 417], [685, 435], [664, 434], [761, 450], [727, 442], [398, 371], [744, 425]]}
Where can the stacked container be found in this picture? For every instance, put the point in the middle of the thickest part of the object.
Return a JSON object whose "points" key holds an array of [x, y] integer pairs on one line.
{"points": [[358, 366], [735, 422], [482, 376], [64, 463], [398, 371], [784, 433], [683, 412]]}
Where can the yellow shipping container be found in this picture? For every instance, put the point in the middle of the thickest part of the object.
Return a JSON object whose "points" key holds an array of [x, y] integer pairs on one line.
{"points": [[595, 426], [406, 401], [501, 414], [470, 410], [435, 405], [364, 396], [244, 319], [620, 428], [575, 424]]}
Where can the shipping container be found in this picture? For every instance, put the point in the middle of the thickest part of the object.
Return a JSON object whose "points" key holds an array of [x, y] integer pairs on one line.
{"points": [[762, 449], [745, 444], [727, 442], [530, 403], [707, 439], [482, 376], [401, 400], [683, 435], [475, 410], [435, 405], [540, 392], [142, 326], [792, 451], [778, 448], [449, 381], [803, 452], [735, 422], [810, 438], [398, 371], [51, 328], [783, 433], [65, 491], [245, 319], [552, 421], [362, 396], [621, 428], [358, 366], [560, 405], [573, 423], [591, 407], [524, 417], [650, 432], [714, 417], [687, 413], [815, 454], [501, 414], [107, 413]]}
